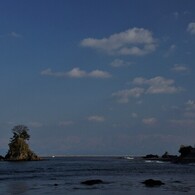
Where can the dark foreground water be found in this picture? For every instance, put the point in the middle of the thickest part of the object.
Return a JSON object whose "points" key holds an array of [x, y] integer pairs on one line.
{"points": [[121, 176]]}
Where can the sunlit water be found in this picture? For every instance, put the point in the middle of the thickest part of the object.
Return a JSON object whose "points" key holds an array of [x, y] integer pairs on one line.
{"points": [[120, 176]]}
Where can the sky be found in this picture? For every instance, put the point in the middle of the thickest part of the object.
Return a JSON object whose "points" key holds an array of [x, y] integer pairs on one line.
{"points": [[106, 77]]}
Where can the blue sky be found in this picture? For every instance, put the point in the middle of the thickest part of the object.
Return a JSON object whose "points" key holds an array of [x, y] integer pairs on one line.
{"points": [[98, 77]]}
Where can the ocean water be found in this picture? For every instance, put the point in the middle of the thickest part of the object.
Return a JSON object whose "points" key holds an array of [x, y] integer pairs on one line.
{"points": [[121, 176]]}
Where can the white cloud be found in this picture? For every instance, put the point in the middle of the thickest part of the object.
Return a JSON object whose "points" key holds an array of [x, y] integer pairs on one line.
{"points": [[99, 74], [77, 73], [149, 121], [191, 28], [135, 41], [180, 68], [157, 85], [124, 95], [119, 63], [96, 118]]}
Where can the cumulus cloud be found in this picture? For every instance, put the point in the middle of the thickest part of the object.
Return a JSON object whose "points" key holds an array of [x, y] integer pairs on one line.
{"points": [[99, 74], [191, 28], [134, 41], [124, 95], [180, 68], [96, 118], [157, 85], [77, 73], [149, 121]]}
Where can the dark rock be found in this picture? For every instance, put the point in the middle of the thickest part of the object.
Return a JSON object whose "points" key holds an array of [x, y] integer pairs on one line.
{"points": [[1, 157], [152, 183], [167, 156], [187, 155], [187, 151], [92, 182], [18, 147], [151, 156], [20, 151]]}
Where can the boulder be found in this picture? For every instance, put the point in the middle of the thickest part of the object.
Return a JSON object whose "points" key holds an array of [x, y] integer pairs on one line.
{"points": [[152, 183], [92, 182]]}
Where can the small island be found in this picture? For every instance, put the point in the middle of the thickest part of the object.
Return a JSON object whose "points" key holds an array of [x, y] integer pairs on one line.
{"points": [[187, 155], [18, 147]]}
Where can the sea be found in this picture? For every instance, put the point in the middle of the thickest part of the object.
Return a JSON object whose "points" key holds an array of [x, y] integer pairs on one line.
{"points": [[121, 175]]}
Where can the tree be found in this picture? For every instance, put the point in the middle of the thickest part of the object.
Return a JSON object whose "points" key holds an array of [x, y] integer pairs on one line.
{"points": [[185, 150], [20, 131]]}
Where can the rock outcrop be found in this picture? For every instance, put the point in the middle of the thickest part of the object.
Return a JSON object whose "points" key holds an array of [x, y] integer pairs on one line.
{"points": [[187, 155], [1, 157], [19, 151], [18, 146]]}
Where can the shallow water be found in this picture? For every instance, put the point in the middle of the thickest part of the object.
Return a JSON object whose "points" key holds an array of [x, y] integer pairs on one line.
{"points": [[120, 176]]}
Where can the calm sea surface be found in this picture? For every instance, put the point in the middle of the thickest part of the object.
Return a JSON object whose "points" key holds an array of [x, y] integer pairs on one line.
{"points": [[120, 175]]}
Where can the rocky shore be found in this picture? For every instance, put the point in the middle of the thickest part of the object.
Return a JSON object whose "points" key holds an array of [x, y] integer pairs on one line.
{"points": [[187, 155]]}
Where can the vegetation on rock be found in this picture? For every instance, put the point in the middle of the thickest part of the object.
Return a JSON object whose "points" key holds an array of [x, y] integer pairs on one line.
{"points": [[187, 154], [18, 147]]}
